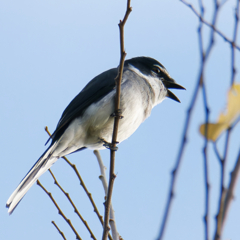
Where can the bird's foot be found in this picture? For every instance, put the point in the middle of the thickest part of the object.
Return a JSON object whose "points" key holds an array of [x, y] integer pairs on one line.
{"points": [[109, 145], [117, 113]]}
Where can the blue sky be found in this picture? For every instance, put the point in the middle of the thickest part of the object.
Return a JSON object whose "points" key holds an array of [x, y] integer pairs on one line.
{"points": [[49, 51]]}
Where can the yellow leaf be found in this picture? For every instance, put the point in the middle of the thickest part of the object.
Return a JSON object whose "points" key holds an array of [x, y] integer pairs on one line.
{"points": [[226, 118]]}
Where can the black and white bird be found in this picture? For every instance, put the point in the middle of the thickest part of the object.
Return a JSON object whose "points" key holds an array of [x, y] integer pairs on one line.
{"points": [[87, 122]]}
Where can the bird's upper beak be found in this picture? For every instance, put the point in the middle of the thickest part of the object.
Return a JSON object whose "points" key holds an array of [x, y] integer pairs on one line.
{"points": [[170, 83]]}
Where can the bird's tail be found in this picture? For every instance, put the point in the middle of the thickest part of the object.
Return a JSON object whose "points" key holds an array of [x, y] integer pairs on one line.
{"points": [[40, 167]]}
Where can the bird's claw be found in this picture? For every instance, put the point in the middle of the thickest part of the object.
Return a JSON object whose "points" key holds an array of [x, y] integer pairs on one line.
{"points": [[109, 145], [117, 113]]}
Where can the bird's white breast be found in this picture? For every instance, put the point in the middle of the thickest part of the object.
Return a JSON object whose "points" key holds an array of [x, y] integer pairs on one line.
{"points": [[138, 96]]}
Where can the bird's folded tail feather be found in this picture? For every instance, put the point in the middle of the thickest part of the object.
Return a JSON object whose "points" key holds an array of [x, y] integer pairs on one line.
{"points": [[40, 167]]}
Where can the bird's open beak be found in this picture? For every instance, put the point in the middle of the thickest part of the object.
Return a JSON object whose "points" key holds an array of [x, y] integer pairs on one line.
{"points": [[170, 83]]}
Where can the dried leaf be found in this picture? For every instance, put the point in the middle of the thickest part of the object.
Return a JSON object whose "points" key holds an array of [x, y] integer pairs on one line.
{"points": [[226, 118]]}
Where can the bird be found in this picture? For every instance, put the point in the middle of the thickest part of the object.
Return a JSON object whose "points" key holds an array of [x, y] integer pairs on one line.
{"points": [[87, 122]]}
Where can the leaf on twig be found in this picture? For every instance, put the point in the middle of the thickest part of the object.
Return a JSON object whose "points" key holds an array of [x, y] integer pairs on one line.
{"points": [[226, 118]]}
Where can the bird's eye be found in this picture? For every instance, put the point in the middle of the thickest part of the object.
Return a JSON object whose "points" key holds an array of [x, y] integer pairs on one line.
{"points": [[156, 69]]}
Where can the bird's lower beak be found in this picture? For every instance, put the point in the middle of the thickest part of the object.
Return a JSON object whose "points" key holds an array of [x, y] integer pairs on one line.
{"points": [[172, 96], [170, 83]]}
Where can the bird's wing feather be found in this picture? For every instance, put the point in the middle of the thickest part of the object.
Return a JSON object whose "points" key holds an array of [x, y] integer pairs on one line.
{"points": [[96, 89]]}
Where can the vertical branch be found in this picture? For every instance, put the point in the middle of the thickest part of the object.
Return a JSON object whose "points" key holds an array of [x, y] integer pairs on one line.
{"points": [[229, 193], [204, 57], [219, 216], [103, 179], [226, 195], [234, 42], [116, 123], [235, 172], [205, 157], [205, 147]]}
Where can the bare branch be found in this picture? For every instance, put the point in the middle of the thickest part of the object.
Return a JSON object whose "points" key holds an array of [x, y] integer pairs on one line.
{"points": [[118, 116], [233, 44], [200, 83], [235, 31], [73, 205], [84, 187], [179, 160], [103, 179], [62, 234], [223, 190], [59, 210], [204, 57], [229, 194], [205, 157], [205, 147]]}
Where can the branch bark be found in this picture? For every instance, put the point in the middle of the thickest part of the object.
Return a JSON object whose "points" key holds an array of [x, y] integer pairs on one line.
{"points": [[103, 179], [118, 116]]}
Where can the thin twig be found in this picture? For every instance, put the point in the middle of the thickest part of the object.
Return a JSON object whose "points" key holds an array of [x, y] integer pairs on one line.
{"points": [[176, 168], [118, 116], [73, 205], [60, 232], [225, 196], [229, 194], [223, 190], [59, 210], [217, 152], [235, 31], [84, 187], [88, 193], [178, 160], [103, 179], [205, 147], [210, 25], [206, 178], [204, 57]]}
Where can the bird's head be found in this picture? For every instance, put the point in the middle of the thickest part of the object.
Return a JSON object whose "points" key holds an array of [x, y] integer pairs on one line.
{"points": [[151, 67]]}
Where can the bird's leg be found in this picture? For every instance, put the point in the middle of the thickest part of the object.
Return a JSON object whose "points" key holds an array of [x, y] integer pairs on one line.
{"points": [[117, 113], [109, 145]]}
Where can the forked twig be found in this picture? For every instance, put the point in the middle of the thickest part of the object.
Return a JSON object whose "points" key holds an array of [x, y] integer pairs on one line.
{"points": [[118, 116]]}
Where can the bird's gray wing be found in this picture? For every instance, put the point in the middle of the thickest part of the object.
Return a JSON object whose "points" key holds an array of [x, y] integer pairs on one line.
{"points": [[95, 90]]}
